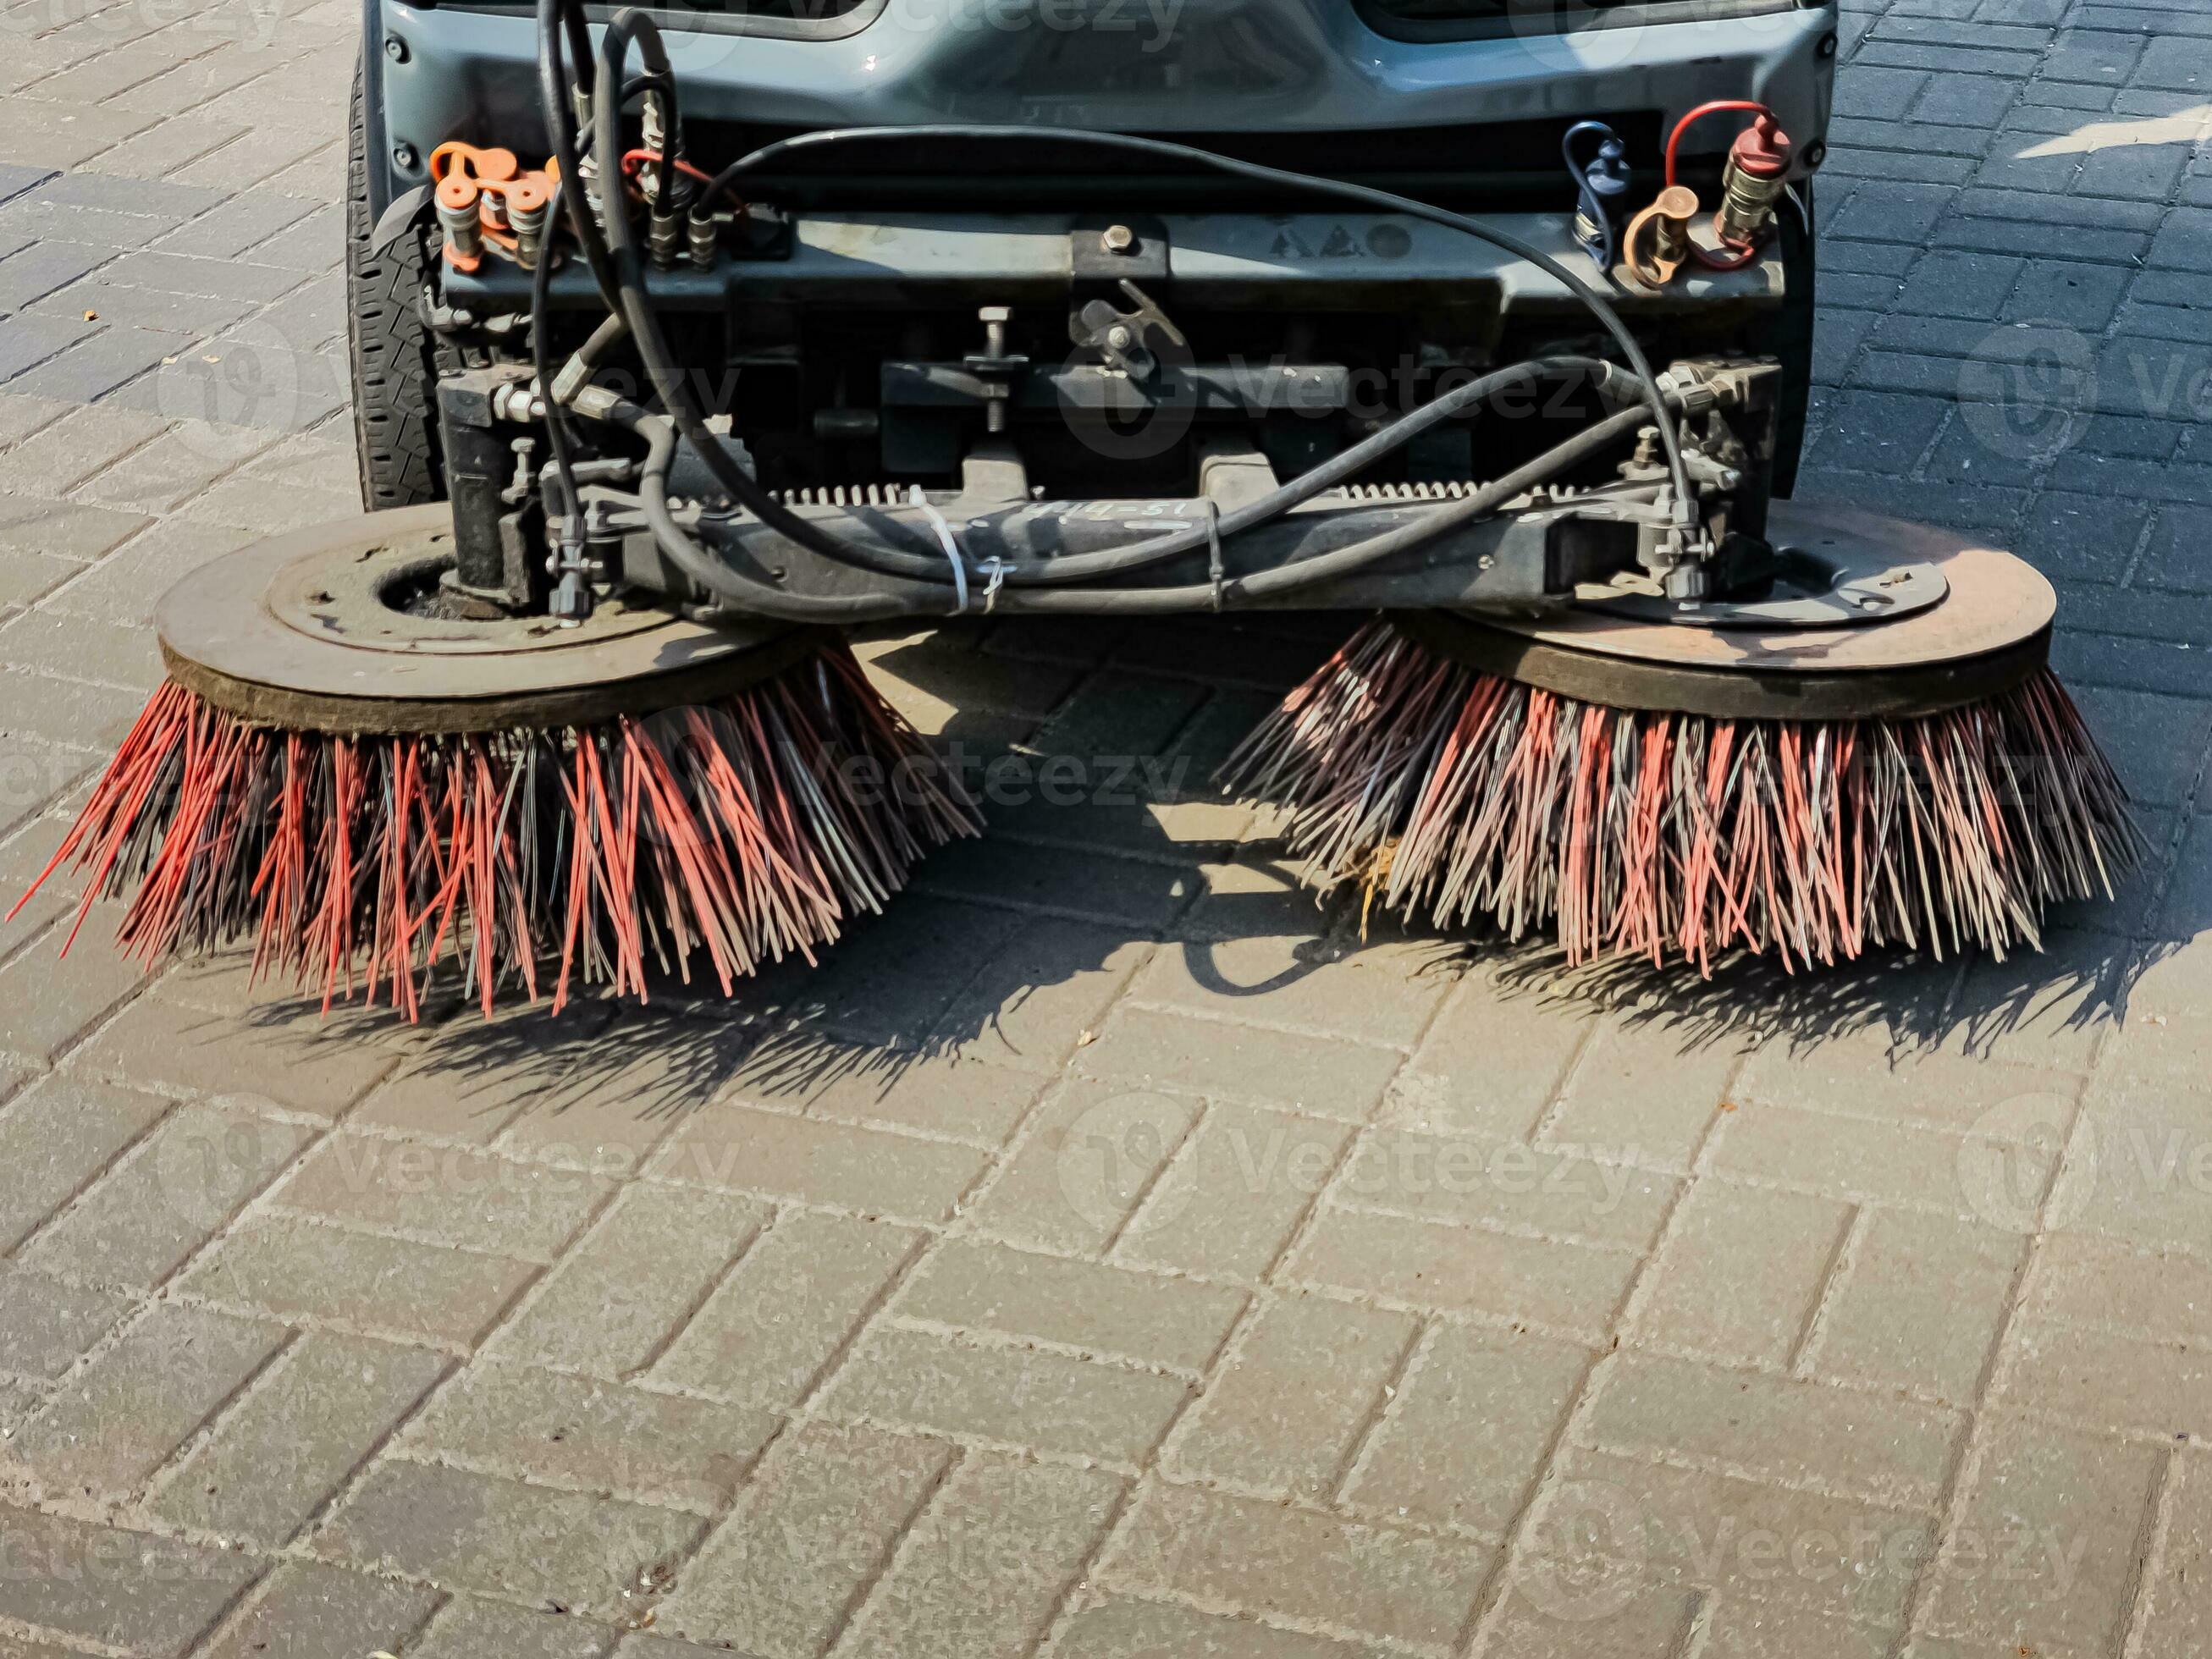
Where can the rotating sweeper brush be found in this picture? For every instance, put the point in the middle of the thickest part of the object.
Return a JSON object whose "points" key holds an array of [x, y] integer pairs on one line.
{"points": [[1875, 753], [367, 785], [720, 377]]}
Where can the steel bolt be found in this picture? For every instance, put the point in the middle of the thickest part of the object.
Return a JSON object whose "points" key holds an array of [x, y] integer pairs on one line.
{"points": [[395, 48], [403, 157], [1119, 238]]}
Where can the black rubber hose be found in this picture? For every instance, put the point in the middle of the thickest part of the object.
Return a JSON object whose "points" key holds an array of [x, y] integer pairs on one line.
{"points": [[1367, 195], [756, 597], [557, 420], [753, 595], [636, 307], [554, 17], [1120, 560]]}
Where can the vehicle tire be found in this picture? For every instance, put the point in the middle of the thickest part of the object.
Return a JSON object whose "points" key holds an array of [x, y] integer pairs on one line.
{"points": [[394, 356]]}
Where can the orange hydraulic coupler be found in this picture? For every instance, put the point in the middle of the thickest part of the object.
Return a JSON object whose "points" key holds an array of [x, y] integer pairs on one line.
{"points": [[487, 201]]}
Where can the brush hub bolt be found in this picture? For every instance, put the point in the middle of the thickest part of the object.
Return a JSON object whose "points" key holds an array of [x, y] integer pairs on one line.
{"points": [[1119, 238]]}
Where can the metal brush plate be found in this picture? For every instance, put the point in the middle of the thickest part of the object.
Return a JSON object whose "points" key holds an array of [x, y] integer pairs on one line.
{"points": [[303, 630], [1990, 631]]}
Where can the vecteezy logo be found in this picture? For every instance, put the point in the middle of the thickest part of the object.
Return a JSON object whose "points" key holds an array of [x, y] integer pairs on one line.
{"points": [[2027, 392], [1111, 1153], [2011, 1156], [1587, 1555]]}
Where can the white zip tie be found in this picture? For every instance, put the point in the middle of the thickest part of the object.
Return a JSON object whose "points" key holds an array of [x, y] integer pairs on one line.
{"points": [[995, 568], [951, 546], [1213, 547]]}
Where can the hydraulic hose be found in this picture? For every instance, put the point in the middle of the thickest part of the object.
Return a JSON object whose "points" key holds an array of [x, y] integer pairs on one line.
{"points": [[636, 309], [555, 19], [1337, 469], [755, 596], [1254, 171]]}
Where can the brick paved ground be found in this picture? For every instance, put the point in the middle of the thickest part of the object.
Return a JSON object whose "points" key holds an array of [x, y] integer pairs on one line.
{"points": [[1104, 1256]]}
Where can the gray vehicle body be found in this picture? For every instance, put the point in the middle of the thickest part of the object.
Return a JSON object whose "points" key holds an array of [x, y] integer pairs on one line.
{"points": [[1299, 67], [1302, 323]]}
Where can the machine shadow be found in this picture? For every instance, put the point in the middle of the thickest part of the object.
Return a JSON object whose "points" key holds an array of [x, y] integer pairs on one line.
{"points": [[998, 937]]}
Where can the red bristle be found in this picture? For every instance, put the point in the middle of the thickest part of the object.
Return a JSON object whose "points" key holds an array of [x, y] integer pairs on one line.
{"points": [[735, 836], [1451, 794]]}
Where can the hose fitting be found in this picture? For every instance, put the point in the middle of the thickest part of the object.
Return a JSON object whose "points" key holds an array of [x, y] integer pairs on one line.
{"points": [[460, 202], [1758, 173]]}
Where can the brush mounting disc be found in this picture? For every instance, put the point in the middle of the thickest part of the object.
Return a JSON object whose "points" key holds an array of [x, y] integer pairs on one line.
{"points": [[334, 629], [1989, 632]]}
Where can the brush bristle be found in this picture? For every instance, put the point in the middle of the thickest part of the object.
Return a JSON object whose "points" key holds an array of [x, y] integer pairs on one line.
{"points": [[1453, 795], [742, 832]]}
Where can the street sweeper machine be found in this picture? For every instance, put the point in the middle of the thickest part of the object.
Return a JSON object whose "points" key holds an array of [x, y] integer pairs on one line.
{"points": [[685, 341]]}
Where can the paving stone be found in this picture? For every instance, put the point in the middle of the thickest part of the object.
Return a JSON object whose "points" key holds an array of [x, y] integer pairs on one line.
{"points": [[33, 271], [106, 1584], [100, 361], [178, 273], [1918, 1305], [469, 1629], [1285, 980], [1287, 1411], [1228, 1203], [65, 711], [730, 1148], [611, 1109], [1563, 1286], [1886, 1450], [547, 1428], [1831, 1556], [2152, 1386], [382, 1286], [1352, 1576], [170, 1046], [1022, 1529], [448, 1195], [952, 1097], [1078, 883], [65, 529], [1741, 1272], [309, 1611], [1651, 1621], [627, 1287], [1861, 1159], [1127, 1628], [2112, 1284], [1490, 1065], [819, 1524], [2174, 1606], [1324, 1075], [787, 1310], [47, 1325], [75, 448], [1506, 1185], [32, 774], [1168, 1322], [126, 587], [75, 646], [275, 1458], [148, 1214], [1641, 1093], [1472, 1423], [109, 1427], [2062, 1511], [469, 1531], [1049, 983], [55, 1139], [1005, 1395]]}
